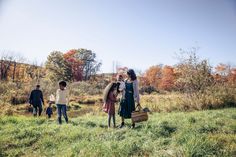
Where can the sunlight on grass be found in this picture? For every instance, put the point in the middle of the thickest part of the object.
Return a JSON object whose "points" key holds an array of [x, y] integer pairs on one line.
{"points": [[201, 133]]}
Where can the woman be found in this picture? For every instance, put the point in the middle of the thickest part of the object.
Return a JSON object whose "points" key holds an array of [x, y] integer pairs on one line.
{"points": [[130, 94]]}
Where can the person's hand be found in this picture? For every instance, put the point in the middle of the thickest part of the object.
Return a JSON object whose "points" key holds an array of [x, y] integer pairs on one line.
{"points": [[138, 106]]}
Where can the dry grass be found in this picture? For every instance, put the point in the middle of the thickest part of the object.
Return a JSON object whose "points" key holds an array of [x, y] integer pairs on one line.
{"points": [[212, 98]]}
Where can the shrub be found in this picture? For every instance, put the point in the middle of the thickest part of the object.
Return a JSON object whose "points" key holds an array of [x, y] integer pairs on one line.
{"points": [[8, 112], [84, 88], [147, 89]]}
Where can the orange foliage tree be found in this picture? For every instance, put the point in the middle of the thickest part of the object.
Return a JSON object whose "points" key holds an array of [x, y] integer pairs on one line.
{"points": [[168, 78], [232, 76], [153, 76], [225, 74], [75, 64]]}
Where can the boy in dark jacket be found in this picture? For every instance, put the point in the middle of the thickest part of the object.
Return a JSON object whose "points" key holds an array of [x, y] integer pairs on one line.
{"points": [[49, 110]]}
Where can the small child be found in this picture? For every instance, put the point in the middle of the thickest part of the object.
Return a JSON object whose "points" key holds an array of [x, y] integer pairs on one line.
{"points": [[49, 110], [52, 99], [62, 100], [120, 83], [109, 99]]}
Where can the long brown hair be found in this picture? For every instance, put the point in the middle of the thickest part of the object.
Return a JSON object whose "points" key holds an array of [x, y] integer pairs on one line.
{"points": [[132, 74], [109, 88]]}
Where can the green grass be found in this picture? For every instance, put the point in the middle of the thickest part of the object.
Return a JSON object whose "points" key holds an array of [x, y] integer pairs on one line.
{"points": [[201, 133]]}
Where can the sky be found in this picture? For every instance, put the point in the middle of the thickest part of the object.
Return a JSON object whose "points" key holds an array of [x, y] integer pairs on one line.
{"points": [[132, 33]]}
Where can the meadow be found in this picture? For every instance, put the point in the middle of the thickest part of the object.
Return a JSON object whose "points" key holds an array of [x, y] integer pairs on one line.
{"points": [[192, 113], [198, 133]]}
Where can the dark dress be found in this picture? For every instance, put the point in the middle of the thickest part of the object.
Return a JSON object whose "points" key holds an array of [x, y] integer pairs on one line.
{"points": [[127, 105]]}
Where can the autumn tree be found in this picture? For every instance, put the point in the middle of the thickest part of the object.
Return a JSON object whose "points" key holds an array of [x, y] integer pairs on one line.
{"points": [[57, 67], [168, 78], [8, 65], [153, 75], [90, 65], [75, 64], [222, 72], [35, 71], [6, 61], [232, 76], [222, 69], [194, 74]]}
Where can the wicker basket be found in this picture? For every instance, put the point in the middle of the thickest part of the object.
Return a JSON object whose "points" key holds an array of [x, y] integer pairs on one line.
{"points": [[139, 116]]}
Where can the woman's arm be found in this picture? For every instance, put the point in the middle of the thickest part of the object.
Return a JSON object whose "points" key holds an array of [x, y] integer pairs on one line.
{"points": [[136, 91]]}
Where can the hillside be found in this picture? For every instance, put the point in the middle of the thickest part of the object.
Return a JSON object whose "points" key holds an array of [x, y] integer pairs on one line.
{"points": [[200, 133]]}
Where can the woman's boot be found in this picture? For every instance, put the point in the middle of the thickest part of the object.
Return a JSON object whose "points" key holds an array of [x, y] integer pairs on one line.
{"points": [[133, 126], [122, 125]]}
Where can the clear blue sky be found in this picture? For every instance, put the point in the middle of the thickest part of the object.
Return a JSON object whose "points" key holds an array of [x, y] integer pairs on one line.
{"points": [[136, 33]]}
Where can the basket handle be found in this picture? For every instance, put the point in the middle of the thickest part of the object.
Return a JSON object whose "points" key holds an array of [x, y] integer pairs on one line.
{"points": [[139, 108]]}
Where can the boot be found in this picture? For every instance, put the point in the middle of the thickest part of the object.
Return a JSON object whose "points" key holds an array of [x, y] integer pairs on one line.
{"points": [[59, 120], [133, 126], [67, 120], [122, 125]]}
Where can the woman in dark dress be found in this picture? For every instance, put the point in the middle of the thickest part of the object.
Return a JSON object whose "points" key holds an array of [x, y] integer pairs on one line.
{"points": [[130, 95]]}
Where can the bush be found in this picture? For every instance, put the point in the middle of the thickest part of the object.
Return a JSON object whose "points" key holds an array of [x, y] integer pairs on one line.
{"points": [[13, 93], [18, 93], [147, 89], [213, 97], [86, 88]]}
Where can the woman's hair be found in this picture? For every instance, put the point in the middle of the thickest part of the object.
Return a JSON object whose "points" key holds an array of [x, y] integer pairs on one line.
{"points": [[63, 83], [109, 88], [132, 74]]}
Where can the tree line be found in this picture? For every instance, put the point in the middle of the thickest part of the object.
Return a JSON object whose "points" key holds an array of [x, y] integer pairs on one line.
{"points": [[189, 75], [74, 65], [192, 74]]}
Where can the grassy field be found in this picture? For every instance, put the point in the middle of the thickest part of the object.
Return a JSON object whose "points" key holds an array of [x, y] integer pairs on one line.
{"points": [[200, 133]]}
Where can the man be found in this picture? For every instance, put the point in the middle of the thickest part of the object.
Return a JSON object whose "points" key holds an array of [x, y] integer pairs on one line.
{"points": [[36, 99]]}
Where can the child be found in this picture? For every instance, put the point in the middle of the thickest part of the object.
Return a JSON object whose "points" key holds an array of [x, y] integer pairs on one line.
{"points": [[51, 99], [120, 83], [109, 99], [62, 99], [49, 110]]}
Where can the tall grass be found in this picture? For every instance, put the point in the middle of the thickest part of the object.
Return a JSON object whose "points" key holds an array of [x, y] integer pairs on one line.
{"points": [[212, 98], [202, 133]]}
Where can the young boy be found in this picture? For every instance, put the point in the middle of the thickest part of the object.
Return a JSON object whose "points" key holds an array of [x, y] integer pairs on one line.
{"points": [[62, 99], [49, 110]]}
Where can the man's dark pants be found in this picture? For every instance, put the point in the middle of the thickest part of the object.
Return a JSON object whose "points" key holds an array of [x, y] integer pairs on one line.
{"points": [[37, 109]]}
